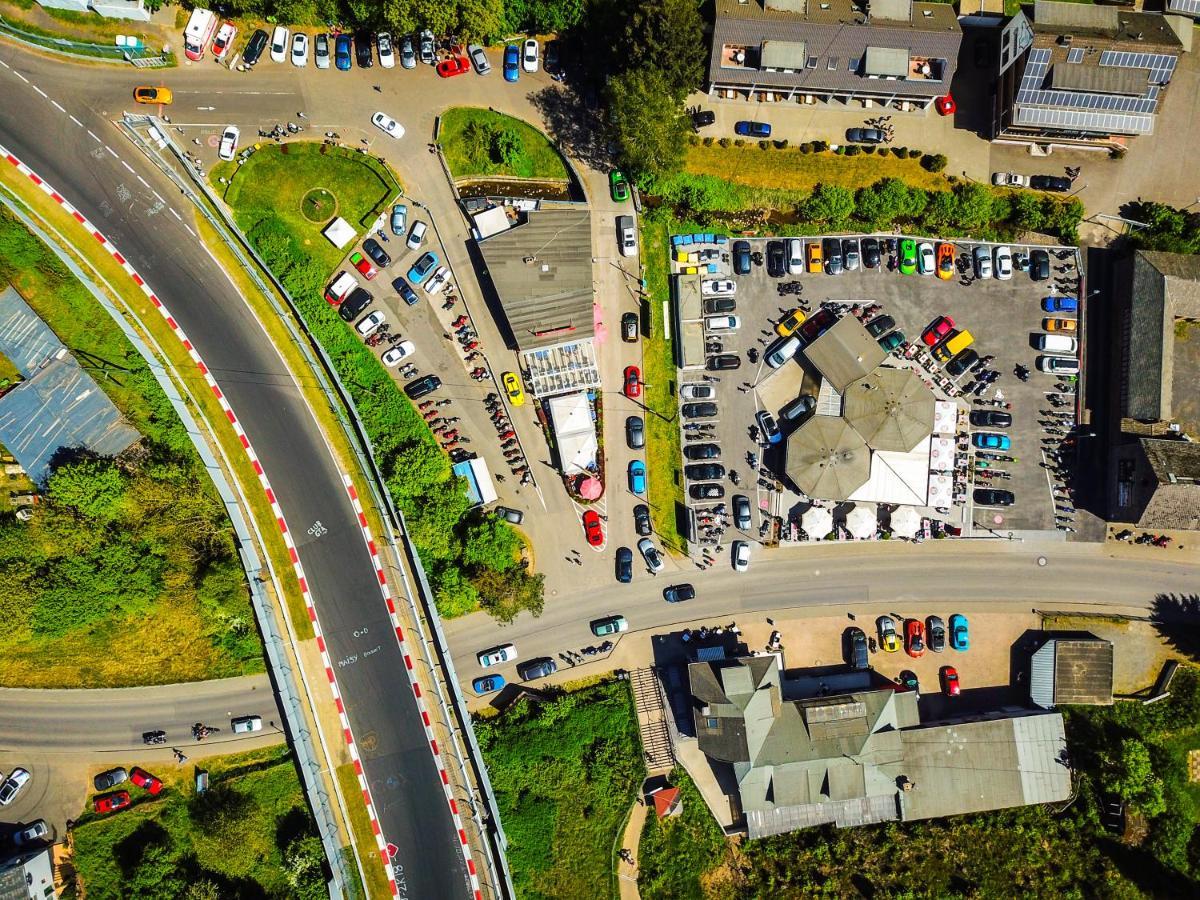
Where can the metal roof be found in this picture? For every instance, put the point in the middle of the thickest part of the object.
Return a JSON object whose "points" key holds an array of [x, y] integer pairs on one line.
{"points": [[1099, 79], [886, 62], [1053, 14], [1083, 671], [894, 10], [783, 55], [845, 353], [25, 340]]}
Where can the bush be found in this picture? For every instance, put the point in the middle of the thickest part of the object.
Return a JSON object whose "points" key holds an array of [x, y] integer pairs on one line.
{"points": [[935, 162], [914, 153], [819, 146], [853, 150], [806, 148], [869, 149], [739, 143], [764, 145], [901, 152], [782, 144], [725, 142], [708, 142]]}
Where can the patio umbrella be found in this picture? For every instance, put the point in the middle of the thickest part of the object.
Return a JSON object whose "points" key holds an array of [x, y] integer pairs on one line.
{"points": [[891, 408], [826, 458], [817, 522], [862, 520], [905, 521], [590, 488]]}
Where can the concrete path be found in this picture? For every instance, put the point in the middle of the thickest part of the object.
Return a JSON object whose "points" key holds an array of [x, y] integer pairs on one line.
{"points": [[627, 872]]}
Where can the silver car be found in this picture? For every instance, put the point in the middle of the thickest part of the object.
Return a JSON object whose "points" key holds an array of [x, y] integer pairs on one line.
{"points": [[408, 56], [650, 554], [12, 786], [479, 59]]}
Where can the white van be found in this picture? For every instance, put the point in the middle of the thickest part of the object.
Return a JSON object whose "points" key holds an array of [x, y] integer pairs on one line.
{"points": [[795, 256], [199, 31], [722, 323], [1057, 343], [782, 351]]}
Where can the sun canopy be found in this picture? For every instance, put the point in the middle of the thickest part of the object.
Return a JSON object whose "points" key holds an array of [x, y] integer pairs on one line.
{"points": [[862, 520], [891, 408], [827, 458], [905, 522], [817, 522]]}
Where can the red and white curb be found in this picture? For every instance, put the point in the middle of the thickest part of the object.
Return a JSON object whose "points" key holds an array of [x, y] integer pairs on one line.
{"points": [[416, 687], [384, 854]]}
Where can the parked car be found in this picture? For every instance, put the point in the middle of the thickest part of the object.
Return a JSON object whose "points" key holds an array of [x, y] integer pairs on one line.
{"points": [[254, 48], [402, 287], [983, 263], [703, 118], [321, 51], [854, 648], [935, 630], [850, 257], [300, 50], [427, 384], [740, 556], [641, 520], [816, 325], [438, 281], [832, 250], [496, 656], [914, 638], [717, 287], [718, 305], [609, 625], [776, 259], [508, 514], [632, 382], [888, 638], [487, 684], [870, 252], [358, 300], [245, 724], [624, 565], [396, 354], [989, 440], [741, 512], [701, 451], [1039, 265], [961, 362], [399, 219], [370, 323], [529, 55], [229, 142], [422, 267], [111, 802], [363, 265], [654, 560], [1058, 365], [377, 253], [795, 256], [949, 677], [960, 638], [741, 257], [593, 531], [629, 327], [428, 47], [722, 323], [864, 136], [637, 477], [908, 257], [362, 50], [801, 406], [1055, 183], [1009, 179], [766, 424], [110, 779], [388, 125], [145, 780], [279, 44], [387, 55], [790, 323], [723, 362], [698, 392], [35, 831], [945, 260], [1004, 263], [341, 53], [1060, 304], [627, 236], [706, 491], [990, 418], [224, 40], [512, 55], [478, 59], [880, 325], [635, 432], [816, 260], [890, 342], [408, 56], [752, 129], [939, 329], [705, 410], [993, 497], [679, 593], [1065, 326], [926, 259], [416, 235], [452, 66], [907, 681], [704, 472]]}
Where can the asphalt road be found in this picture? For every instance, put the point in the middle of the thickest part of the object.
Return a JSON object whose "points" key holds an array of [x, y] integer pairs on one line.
{"points": [[101, 177]]}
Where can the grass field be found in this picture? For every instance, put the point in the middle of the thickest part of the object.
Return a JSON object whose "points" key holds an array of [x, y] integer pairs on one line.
{"points": [[273, 182], [467, 139], [236, 840], [565, 774], [676, 854]]}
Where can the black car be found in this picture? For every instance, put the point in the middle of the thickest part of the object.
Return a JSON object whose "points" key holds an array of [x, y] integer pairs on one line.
{"points": [[641, 520], [706, 492], [624, 565], [377, 253], [880, 325], [422, 386], [704, 471], [741, 257], [541, 667], [629, 327], [990, 418], [1039, 265], [553, 58], [635, 432], [255, 48], [715, 306], [831, 249], [801, 406], [723, 362], [854, 648], [699, 410], [508, 514], [870, 252], [110, 779], [776, 259], [679, 593], [963, 361], [702, 451], [362, 50], [935, 634], [702, 118], [1050, 183], [358, 300], [864, 136], [404, 289], [993, 497]]}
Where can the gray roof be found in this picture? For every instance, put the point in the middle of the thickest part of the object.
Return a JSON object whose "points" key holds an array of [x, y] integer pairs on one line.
{"points": [[845, 353], [1049, 13], [825, 457], [891, 408], [783, 55], [1175, 502], [1099, 79], [542, 272], [1080, 671], [889, 62], [25, 340], [1119, 24], [1165, 286]]}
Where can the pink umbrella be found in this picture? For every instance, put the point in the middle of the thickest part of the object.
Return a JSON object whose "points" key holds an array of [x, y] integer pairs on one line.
{"points": [[590, 488]]}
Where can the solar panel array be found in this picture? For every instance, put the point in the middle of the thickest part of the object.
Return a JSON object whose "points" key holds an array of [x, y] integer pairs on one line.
{"points": [[1187, 7], [1082, 120], [1075, 54], [1161, 65], [1031, 93]]}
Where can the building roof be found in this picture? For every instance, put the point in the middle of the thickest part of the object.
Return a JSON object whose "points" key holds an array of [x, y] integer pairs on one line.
{"points": [[1164, 287], [827, 458], [845, 353], [1076, 670], [1111, 22], [1099, 79], [1175, 502], [542, 272], [574, 432], [891, 408]]}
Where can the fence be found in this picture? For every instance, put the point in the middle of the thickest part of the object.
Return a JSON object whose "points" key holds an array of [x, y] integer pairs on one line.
{"points": [[141, 57]]}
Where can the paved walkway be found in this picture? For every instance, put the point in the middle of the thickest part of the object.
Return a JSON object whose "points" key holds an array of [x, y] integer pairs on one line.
{"points": [[627, 872]]}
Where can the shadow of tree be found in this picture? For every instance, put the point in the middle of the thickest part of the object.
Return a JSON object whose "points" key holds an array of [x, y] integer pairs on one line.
{"points": [[1176, 617], [128, 852], [576, 129]]}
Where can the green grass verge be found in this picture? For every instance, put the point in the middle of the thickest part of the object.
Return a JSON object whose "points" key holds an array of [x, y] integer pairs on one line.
{"points": [[478, 143], [364, 835], [565, 774], [676, 854], [235, 837]]}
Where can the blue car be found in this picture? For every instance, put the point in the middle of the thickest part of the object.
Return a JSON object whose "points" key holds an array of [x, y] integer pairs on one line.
{"points": [[960, 638], [1060, 304], [488, 684], [422, 267], [341, 52], [987, 440], [407, 294], [766, 424], [512, 58], [637, 477], [753, 129]]}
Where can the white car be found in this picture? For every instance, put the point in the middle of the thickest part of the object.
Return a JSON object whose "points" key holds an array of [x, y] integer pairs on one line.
{"points": [[723, 323], [1004, 266], [435, 284], [402, 350], [654, 560], [223, 41], [496, 655], [926, 261], [983, 262], [246, 724], [370, 324], [387, 56], [529, 55], [1009, 179], [697, 392], [300, 51], [416, 237], [478, 59], [627, 235], [718, 288], [229, 142], [741, 556], [33, 832], [12, 786], [321, 51], [388, 124], [795, 256], [279, 44]]}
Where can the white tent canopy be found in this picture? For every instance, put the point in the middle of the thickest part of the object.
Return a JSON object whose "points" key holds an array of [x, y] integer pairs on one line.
{"points": [[897, 477], [574, 432], [863, 520], [905, 522], [817, 522], [339, 232]]}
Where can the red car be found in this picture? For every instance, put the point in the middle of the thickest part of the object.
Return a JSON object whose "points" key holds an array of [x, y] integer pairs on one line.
{"points": [[107, 803], [633, 382], [914, 638], [937, 332], [455, 65], [363, 265], [144, 779], [950, 680], [593, 529]]}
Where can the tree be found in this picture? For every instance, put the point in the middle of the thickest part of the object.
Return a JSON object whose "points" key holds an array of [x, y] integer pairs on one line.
{"points": [[204, 889], [934, 162], [303, 861], [941, 210], [828, 203], [156, 875], [646, 123], [1133, 780], [506, 594], [666, 36], [1027, 211], [974, 205], [92, 487], [490, 543]]}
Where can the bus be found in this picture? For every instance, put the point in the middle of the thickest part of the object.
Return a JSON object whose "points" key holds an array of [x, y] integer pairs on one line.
{"points": [[199, 32]]}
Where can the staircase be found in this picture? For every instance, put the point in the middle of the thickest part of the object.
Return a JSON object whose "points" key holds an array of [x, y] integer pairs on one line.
{"points": [[648, 700]]}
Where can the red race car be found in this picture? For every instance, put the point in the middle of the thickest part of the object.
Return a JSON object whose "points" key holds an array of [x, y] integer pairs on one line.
{"points": [[633, 382], [144, 779], [454, 65], [914, 638], [950, 681], [107, 803], [363, 265], [592, 528], [941, 327]]}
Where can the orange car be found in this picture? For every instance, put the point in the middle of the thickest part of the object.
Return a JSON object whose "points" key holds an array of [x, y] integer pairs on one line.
{"points": [[816, 262], [945, 261], [1068, 326]]}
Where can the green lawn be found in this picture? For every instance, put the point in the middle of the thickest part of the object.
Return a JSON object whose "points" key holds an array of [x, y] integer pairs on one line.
{"points": [[478, 142], [276, 180], [234, 836], [565, 773], [676, 854]]}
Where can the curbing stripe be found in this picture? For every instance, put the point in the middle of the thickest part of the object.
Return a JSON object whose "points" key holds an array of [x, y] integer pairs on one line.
{"points": [[270, 495]]}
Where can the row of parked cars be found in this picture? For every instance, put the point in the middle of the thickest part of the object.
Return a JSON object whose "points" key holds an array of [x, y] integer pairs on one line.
{"points": [[540, 667], [918, 636]]}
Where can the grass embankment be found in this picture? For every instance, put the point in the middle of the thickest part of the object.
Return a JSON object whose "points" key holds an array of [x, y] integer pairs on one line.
{"points": [[481, 143], [249, 835], [49, 27], [364, 834], [565, 774], [677, 855], [138, 554]]}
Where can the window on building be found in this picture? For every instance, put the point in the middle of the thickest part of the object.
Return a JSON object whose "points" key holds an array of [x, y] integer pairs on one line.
{"points": [[855, 63], [812, 63], [832, 64]]}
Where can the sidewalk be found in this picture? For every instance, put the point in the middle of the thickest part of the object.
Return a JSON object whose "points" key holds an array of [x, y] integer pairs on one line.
{"points": [[627, 872]]}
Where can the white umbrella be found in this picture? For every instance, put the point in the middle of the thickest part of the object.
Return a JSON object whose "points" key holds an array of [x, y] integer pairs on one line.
{"points": [[817, 522], [905, 522], [862, 521]]}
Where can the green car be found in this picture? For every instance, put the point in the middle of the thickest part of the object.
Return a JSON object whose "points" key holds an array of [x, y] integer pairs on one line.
{"points": [[618, 185], [609, 625], [890, 342], [908, 257]]}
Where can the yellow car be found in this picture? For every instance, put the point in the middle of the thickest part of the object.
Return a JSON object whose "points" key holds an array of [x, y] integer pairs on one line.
{"points": [[512, 386], [1067, 326], [816, 263], [888, 639], [152, 95], [788, 324]]}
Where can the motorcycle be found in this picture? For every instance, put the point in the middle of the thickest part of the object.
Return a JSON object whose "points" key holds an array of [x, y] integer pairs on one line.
{"points": [[460, 321], [154, 737]]}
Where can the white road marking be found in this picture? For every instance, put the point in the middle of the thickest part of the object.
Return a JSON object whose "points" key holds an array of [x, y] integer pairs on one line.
{"points": [[76, 121], [189, 228], [6, 65], [176, 215], [22, 77], [112, 151], [92, 135], [40, 91], [145, 183], [157, 194], [58, 106], [128, 167]]}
